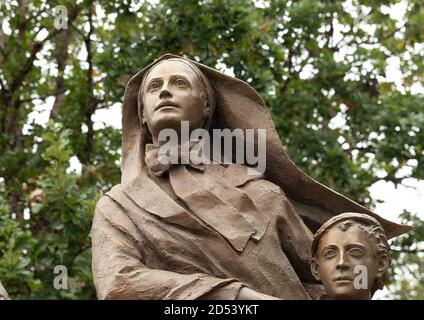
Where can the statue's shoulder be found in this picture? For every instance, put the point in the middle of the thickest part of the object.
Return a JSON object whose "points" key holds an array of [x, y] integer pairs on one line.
{"points": [[110, 206], [110, 197], [111, 212]]}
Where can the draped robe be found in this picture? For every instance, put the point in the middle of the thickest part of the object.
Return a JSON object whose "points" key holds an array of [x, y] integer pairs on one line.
{"points": [[148, 245]]}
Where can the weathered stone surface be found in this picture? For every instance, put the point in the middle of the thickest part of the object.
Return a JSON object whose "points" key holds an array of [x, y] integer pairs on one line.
{"points": [[3, 293]]}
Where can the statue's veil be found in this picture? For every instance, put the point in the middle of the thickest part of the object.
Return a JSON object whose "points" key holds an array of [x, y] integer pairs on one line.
{"points": [[238, 105]]}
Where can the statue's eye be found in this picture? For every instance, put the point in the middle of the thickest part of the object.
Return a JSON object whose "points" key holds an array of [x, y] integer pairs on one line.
{"points": [[356, 252], [330, 253], [153, 86], [181, 83]]}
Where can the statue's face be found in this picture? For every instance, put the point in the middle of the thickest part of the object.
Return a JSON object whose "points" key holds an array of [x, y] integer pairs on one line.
{"points": [[173, 93], [339, 252]]}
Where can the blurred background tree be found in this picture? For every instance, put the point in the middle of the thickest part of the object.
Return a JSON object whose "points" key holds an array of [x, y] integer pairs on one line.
{"points": [[321, 67]]}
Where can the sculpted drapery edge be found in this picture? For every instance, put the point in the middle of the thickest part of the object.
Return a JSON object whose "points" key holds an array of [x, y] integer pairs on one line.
{"points": [[236, 102]]}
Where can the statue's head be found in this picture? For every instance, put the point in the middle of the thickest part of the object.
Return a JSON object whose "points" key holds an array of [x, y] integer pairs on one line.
{"points": [[172, 91], [350, 255]]}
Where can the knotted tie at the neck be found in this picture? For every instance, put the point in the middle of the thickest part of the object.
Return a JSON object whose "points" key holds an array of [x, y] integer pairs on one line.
{"points": [[222, 206], [159, 161]]}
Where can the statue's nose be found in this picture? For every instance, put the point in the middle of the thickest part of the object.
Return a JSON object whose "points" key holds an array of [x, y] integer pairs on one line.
{"points": [[341, 261], [165, 93]]}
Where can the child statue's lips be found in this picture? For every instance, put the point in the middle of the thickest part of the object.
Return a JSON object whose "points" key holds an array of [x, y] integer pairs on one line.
{"points": [[343, 279]]}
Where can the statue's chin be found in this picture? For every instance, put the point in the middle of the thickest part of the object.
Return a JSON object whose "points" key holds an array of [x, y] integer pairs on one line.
{"points": [[167, 119], [171, 119], [349, 294]]}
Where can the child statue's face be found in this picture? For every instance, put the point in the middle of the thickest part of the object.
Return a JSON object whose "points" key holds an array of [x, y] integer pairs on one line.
{"points": [[346, 262]]}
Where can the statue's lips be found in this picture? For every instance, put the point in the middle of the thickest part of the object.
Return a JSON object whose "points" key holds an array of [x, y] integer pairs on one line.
{"points": [[343, 279], [164, 104]]}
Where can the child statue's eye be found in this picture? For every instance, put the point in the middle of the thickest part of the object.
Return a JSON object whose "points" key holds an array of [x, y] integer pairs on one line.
{"points": [[329, 253], [356, 252]]}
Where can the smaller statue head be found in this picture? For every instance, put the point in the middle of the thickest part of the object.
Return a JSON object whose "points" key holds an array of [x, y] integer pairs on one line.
{"points": [[172, 91], [350, 255]]}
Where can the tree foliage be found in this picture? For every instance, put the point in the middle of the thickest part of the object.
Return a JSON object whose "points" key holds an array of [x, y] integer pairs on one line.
{"points": [[321, 66]]}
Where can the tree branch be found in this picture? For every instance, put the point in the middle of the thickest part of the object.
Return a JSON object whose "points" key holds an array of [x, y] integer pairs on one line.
{"points": [[29, 63], [92, 101], [54, 94], [407, 250], [289, 64], [64, 39]]}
